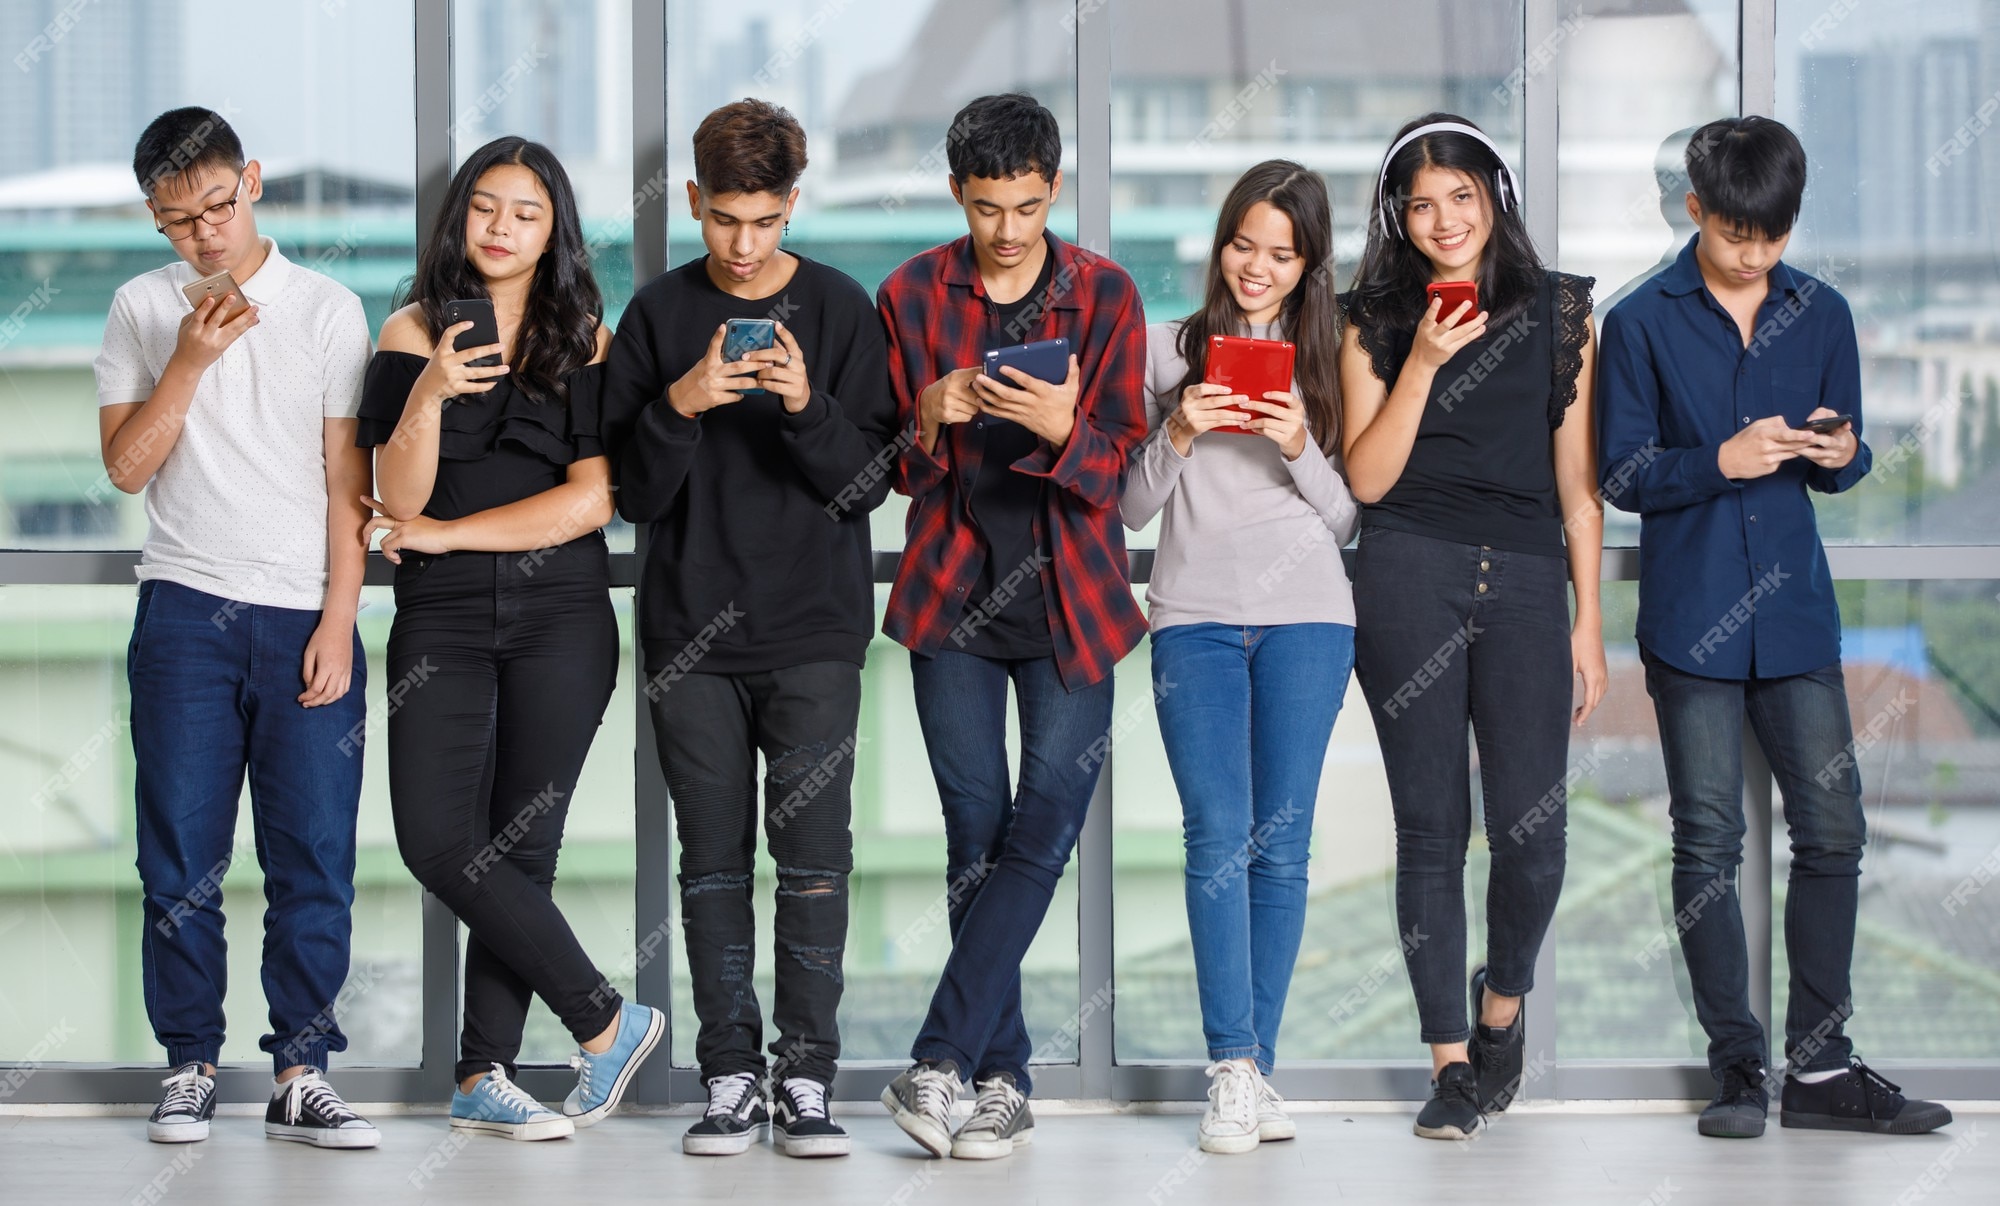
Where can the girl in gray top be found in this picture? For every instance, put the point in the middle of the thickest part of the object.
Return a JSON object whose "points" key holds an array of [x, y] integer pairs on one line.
{"points": [[1252, 620]]}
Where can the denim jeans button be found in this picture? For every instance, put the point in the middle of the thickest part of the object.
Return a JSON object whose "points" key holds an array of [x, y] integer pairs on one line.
{"points": [[1482, 588]]}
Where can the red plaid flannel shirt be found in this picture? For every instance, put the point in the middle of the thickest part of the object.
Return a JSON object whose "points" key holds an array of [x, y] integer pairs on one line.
{"points": [[938, 319]]}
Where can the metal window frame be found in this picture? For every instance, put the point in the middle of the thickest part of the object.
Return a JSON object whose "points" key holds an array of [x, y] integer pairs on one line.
{"points": [[1098, 1074]]}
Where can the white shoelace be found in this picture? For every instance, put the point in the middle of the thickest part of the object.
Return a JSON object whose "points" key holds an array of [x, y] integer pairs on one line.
{"points": [[1232, 1089], [583, 1066], [808, 1096], [184, 1090], [726, 1093], [1270, 1096], [310, 1089], [996, 1103], [935, 1092], [509, 1093]]}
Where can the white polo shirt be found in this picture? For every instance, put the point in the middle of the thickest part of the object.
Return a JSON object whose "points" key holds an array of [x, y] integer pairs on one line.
{"points": [[238, 508]]}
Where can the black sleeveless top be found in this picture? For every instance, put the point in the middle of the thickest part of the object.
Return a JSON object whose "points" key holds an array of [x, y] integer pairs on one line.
{"points": [[494, 448], [1482, 468]]}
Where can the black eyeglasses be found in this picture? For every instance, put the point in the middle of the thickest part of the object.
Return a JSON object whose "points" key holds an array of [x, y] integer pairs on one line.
{"points": [[214, 215]]}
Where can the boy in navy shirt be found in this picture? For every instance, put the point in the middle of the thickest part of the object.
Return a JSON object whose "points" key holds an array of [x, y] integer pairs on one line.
{"points": [[1709, 376]]}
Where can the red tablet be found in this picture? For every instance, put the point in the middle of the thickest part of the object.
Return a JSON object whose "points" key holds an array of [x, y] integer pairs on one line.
{"points": [[1251, 367]]}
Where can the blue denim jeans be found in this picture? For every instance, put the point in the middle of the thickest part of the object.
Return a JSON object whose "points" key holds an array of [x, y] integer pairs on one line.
{"points": [[1004, 848], [1802, 724], [215, 687], [1246, 714]]}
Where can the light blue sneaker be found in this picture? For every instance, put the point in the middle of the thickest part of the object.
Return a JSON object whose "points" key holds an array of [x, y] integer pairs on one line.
{"points": [[497, 1106], [601, 1079]]}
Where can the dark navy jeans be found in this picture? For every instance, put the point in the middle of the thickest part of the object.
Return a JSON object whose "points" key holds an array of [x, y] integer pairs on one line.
{"points": [[1005, 848], [1802, 724], [215, 686]]}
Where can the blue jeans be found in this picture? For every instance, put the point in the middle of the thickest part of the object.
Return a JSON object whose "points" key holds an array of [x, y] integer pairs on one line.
{"points": [[1802, 724], [1004, 849], [1246, 714], [215, 687]]}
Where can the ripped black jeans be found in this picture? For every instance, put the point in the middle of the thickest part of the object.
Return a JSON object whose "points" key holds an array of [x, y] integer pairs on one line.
{"points": [[711, 728]]}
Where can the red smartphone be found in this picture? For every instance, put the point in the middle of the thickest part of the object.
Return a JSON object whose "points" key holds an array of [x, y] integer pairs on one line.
{"points": [[1251, 367], [1450, 294]]}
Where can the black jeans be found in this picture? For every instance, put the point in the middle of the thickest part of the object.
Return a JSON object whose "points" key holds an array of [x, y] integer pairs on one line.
{"points": [[1803, 726], [711, 728], [1447, 632], [500, 667]]}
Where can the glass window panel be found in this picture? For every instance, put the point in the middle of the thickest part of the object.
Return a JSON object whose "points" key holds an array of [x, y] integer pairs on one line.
{"points": [[1892, 101]]}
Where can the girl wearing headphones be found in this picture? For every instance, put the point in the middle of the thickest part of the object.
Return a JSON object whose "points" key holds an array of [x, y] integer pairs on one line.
{"points": [[1468, 439]]}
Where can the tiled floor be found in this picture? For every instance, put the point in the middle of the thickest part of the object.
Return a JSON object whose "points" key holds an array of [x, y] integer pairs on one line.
{"points": [[1078, 1159]]}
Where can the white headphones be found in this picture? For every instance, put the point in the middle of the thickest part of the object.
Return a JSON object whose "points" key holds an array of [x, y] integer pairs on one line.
{"points": [[1506, 189]]}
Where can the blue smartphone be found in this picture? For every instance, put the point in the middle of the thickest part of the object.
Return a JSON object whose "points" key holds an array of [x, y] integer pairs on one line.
{"points": [[742, 336], [1047, 360]]}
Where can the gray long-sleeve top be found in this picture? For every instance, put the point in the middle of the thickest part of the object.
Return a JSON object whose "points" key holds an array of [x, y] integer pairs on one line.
{"points": [[1248, 537]]}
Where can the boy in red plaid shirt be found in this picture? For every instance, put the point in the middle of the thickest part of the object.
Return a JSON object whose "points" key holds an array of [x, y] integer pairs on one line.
{"points": [[1013, 570]]}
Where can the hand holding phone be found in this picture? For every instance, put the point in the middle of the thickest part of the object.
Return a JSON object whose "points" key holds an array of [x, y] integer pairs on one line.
{"points": [[1033, 384], [712, 381], [1439, 337], [485, 330], [742, 336], [1449, 296], [1250, 367], [224, 289], [1827, 425], [220, 316]]}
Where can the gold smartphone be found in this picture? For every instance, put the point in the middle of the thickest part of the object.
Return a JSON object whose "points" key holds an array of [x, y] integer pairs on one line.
{"points": [[218, 286]]}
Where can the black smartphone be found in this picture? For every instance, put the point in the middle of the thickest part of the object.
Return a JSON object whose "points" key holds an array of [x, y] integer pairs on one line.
{"points": [[1826, 426], [742, 336], [485, 328]]}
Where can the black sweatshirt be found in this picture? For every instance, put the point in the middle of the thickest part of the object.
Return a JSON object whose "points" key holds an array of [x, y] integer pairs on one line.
{"points": [[759, 554]]}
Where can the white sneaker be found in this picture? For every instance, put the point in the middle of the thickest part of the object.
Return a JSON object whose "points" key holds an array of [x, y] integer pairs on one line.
{"points": [[1230, 1125], [1272, 1121]]}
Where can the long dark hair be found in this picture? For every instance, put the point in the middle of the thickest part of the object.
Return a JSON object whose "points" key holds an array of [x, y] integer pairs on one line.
{"points": [[1309, 316], [1389, 288], [558, 331]]}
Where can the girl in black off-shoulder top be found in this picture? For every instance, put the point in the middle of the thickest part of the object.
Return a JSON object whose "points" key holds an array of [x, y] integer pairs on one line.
{"points": [[492, 491]]}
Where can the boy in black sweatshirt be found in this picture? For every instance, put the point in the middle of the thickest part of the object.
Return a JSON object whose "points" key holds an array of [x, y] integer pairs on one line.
{"points": [[756, 607]]}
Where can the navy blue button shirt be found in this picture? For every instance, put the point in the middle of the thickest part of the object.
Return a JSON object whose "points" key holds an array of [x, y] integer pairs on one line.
{"points": [[1733, 580]]}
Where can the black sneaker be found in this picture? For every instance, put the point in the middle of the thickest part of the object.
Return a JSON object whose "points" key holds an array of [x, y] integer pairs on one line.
{"points": [[1453, 1110], [736, 1117], [305, 1109], [183, 1113], [1496, 1052], [920, 1102], [1000, 1122], [1740, 1104], [800, 1125], [1860, 1100]]}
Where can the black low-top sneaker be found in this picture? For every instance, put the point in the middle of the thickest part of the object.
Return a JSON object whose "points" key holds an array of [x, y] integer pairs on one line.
{"points": [[305, 1109], [736, 1117], [1453, 1110], [1740, 1103], [1000, 1122], [1496, 1052], [183, 1113], [1859, 1100], [920, 1101], [800, 1125]]}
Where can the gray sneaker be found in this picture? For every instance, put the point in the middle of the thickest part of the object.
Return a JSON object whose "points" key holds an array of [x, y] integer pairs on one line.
{"points": [[920, 1102], [1000, 1122]]}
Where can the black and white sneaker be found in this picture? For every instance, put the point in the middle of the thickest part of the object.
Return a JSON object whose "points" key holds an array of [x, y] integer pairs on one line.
{"points": [[920, 1102], [736, 1117], [1453, 1110], [800, 1125], [183, 1113], [305, 1109], [1000, 1122]]}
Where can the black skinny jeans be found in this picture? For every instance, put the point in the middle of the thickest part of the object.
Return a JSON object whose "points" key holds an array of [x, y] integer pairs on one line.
{"points": [[1446, 633], [500, 667], [711, 728]]}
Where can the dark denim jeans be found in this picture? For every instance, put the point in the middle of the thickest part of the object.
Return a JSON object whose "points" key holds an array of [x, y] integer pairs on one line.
{"points": [[1803, 727], [215, 686], [711, 728], [1447, 633], [1245, 714], [1005, 849]]}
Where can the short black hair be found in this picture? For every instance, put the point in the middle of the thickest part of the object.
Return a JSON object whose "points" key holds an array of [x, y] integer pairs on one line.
{"points": [[1750, 171], [182, 141], [1000, 137], [749, 146]]}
